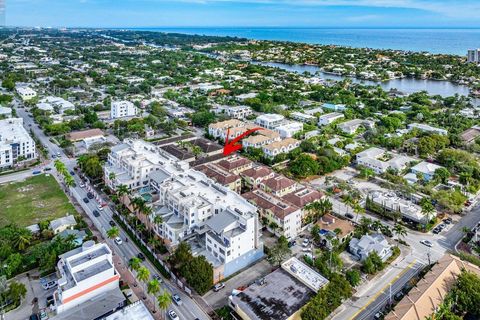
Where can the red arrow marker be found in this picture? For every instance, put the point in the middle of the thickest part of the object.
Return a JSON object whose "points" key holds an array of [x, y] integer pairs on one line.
{"points": [[234, 145]]}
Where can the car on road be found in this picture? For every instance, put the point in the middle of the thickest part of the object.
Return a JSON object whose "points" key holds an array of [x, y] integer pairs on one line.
{"points": [[177, 300], [90, 195], [436, 230], [34, 317], [291, 243], [219, 286], [49, 285], [378, 315], [157, 277], [96, 213], [306, 250], [47, 169], [349, 216], [111, 223], [35, 172], [58, 154], [426, 243], [82, 185], [118, 240], [53, 156], [72, 173], [99, 207], [86, 200], [141, 256], [172, 315]]}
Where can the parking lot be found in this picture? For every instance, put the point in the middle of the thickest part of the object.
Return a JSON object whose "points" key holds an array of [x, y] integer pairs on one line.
{"points": [[30, 305]]}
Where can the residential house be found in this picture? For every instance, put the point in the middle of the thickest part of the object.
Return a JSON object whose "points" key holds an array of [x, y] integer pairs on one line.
{"points": [[425, 169], [235, 164], [278, 185], [62, 224], [288, 130], [270, 120], [331, 227], [329, 118], [380, 160], [5, 112], [15, 143], [350, 127], [427, 128], [303, 117], [26, 93], [334, 107], [218, 129], [254, 176], [273, 149], [470, 135], [363, 247]]}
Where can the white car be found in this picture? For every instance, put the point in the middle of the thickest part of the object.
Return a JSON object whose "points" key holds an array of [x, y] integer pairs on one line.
{"points": [[172, 315], [118, 240], [99, 207], [426, 243], [82, 185], [49, 285], [305, 242]]}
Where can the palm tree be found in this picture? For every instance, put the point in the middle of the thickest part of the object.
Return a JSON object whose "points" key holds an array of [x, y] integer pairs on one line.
{"points": [[143, 275], [153, 287], [164, 301], [113, 232], [112, 176], [154, 242], [134, 263], [376, 224], [22, 239], [400, 230], [122, 190]]}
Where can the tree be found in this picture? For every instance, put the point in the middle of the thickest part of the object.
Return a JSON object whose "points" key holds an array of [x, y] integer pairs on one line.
{"points": [[143, 274], [400, 230], [427, 208], [17, 291], [22, 239], [113, 232], [164, 301], [203, 118], [134, 263], [466, 293], [353, 277], [366, 173], [198, 273], [304, 166], [441, 175], [279, 252], [372, 263], [8, 84], [153, 287], [182, 255]]}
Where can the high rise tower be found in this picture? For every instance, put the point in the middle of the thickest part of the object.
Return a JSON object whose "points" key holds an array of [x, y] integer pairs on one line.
{"points": [[2, 13]]}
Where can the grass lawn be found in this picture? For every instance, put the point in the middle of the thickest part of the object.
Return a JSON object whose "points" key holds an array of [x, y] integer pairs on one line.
{"points": [[33, 200]]}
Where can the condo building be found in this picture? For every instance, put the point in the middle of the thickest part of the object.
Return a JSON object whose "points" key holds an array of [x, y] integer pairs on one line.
{"points": [[15, 142]]}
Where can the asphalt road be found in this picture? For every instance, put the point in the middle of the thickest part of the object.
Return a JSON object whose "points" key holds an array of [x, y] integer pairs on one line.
{"points": [[189, 310]]}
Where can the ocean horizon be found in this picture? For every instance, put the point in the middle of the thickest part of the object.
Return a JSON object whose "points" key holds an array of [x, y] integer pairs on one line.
{"points": [[434, 40]]}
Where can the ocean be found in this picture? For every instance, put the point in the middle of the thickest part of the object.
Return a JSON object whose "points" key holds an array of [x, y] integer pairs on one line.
{"points": [[450, 41]]}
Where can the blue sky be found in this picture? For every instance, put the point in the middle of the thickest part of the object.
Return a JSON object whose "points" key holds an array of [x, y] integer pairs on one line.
{"points": [[238, 13]]}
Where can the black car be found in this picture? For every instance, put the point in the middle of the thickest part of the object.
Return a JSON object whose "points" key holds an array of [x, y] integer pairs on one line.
{"points": [[34, 317], [72, 173], [96, 213], [141, 256], [111, 223], [90, 195], [86, 200], [436, 231], [349, 216], [50, 301], [447, 221]]}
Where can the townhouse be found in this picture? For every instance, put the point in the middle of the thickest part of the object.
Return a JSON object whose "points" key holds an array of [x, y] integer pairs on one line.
{"points": [[254, 176], [278, 185], [218, 129], [273, 149], [221, 176]]}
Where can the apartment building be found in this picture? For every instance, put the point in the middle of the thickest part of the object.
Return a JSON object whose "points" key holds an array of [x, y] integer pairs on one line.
{"points": [[220, 223], [473, 55], [350, 127], [280, 216], [219, 129], [57, 104], [289, 129], [427, 128], [270, 120], [303, 117], [278, 185], [131, 162], [380, 160], [26, 93], [88, 283], [221, 176], [15, 142], [273, 149], [329, 118], [235, 112], [122, 109]]}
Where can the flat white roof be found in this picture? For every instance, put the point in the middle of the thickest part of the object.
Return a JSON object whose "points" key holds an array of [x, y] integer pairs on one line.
{"points": [[304, 274], [135, 311]]}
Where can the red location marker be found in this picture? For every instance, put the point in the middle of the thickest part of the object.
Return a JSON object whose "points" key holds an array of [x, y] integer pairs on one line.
{"points": [[234, 145]]}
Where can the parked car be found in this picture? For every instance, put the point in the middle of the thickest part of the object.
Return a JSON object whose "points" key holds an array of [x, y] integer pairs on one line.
{"points": [[49, 285], [99, 207], [58, 154], [436, 230], [157, 277], [34, 317], [47, 169], [172, 315], [111, 223], [291, 243], [82, 185], [398, 296], [96, 213], [378, 315], [118, 240], [305, 242], [219, 286], [426, 243], [86, 200], [35, 172], [50, 301], [448, 220], [72, 173], [141, 256], [349, 216], [90, 195], [177, 300]]}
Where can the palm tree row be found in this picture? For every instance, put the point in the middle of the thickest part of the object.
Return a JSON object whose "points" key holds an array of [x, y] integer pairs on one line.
{"points": [[62, 169], [164, 299]]}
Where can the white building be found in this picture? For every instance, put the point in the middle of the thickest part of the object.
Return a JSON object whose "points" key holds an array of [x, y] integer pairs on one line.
{"points": [[425, 169], [329, 118], [219, 129], [131, 162], [289, 129], [5, 112], [473, 55], [15, 142], [380, 161], [26, 93], [86, 273], [270, 120], [284, 146], [236, 112], [394, 204], [122, 109], [223, 226], [303, 117], [427, 128], [57, 104], [350, 127]]}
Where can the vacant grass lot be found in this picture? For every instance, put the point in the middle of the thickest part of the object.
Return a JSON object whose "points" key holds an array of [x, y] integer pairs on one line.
{"points": [[33, 200]]}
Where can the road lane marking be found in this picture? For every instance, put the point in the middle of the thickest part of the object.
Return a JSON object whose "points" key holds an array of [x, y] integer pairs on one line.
{"points": [[375, 296]]}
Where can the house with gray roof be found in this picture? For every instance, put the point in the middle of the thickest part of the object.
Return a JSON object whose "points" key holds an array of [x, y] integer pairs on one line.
{"points": [[63, 223], [363, 247]]}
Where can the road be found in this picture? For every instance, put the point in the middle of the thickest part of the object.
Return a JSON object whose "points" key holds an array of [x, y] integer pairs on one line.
{"points": [[189, 309]]}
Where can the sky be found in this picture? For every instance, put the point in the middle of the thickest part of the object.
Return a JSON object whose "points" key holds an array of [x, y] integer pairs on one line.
{"points": [[243, 13]]}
